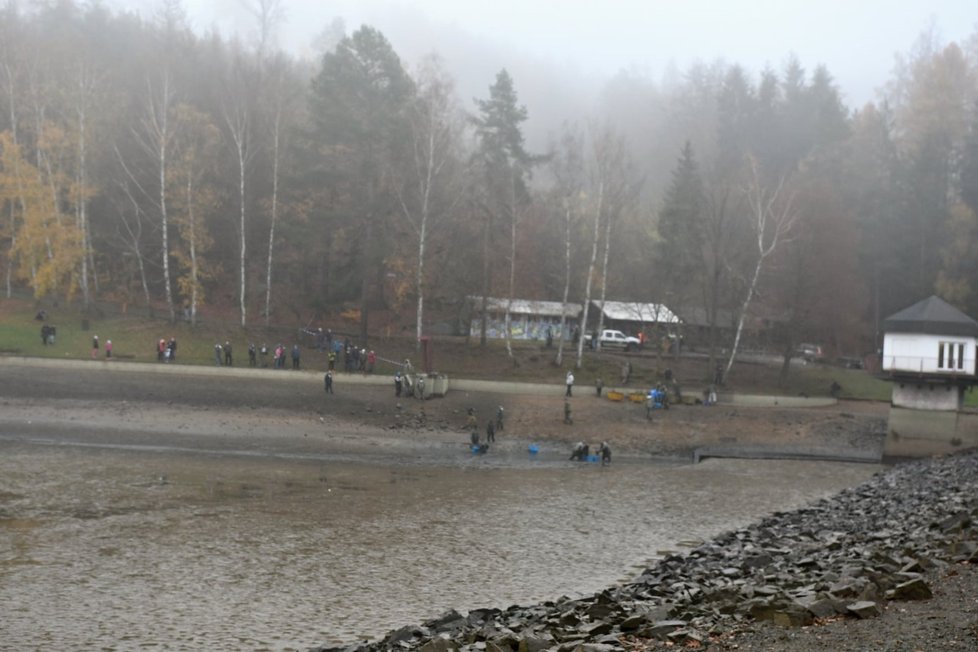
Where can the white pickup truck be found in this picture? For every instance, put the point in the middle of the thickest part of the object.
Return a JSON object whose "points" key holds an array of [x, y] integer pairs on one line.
{"points": [[614, 338]]}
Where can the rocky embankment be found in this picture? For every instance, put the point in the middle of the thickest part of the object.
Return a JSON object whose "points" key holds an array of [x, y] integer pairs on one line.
{"points": [[839, 558]]}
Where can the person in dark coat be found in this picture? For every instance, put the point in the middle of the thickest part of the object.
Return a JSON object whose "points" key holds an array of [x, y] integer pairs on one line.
{"points": [[580, 452], [328, 382]]}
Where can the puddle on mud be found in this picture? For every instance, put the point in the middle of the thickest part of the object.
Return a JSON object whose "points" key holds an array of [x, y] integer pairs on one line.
{"points": [[182, 551]]}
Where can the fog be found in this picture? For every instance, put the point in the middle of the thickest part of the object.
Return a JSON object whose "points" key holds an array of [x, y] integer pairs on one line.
{"points": [[562, 53]]}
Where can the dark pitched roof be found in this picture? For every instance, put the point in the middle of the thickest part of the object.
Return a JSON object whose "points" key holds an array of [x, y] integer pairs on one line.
{"points": [[933, 315]]}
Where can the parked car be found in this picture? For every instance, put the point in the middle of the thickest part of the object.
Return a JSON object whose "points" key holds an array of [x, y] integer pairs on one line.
{"points": [[850, 363], [615, 338], [809, 352]]}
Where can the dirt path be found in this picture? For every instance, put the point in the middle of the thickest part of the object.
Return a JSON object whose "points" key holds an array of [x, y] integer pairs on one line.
{"points": [[284, 408]]}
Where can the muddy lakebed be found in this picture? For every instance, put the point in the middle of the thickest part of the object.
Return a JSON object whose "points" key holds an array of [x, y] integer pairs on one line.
{"points": [[186, 511], [116, 546]]}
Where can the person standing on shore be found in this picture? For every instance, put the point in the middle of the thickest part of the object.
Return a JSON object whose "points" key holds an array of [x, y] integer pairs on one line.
{"points": [[295, 357], [570, 383], [218, 353], [500, 412], [490, 431], [94, 347], [227, 353], [328, 382], [108, 349], [398, 382], [252, 355]]}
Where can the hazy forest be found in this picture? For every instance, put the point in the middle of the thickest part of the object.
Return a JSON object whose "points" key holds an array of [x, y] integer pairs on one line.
{"points": [[194, 174]]}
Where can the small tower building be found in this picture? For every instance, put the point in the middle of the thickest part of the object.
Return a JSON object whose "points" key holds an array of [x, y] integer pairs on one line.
{"points": [[929, 354]]}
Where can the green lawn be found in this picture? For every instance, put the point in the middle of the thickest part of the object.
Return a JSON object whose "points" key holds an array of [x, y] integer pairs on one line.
{"points": [[134, 338]]}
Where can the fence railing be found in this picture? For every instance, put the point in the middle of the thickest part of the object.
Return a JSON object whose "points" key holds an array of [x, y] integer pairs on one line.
{"points": [[929, 364]]}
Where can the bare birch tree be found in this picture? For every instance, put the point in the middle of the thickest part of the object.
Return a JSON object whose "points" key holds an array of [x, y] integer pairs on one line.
{"points": [[237, 118], [431, 187], [154, 136], [194, 201], [86, 85], [131, 235], [598, 210], [280, 96], [17, 203], [772, 217], [566, 164], [268, 15]]}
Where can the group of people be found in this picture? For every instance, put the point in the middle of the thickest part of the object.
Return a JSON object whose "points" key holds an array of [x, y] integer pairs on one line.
{"points": [[166, 350], [408, 383], [95, 348], [492, 427], [354, 358], [48, 334], [582, 452], [224, 355]]}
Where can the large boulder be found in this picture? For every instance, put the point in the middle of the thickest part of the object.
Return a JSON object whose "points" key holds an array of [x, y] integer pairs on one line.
{"points": [[915, 589], [865, 609]]}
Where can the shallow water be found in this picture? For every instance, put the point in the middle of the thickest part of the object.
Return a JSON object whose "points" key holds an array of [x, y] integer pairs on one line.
{"points": [[116, 549]]}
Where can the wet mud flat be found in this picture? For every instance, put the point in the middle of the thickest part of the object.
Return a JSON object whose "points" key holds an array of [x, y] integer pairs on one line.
{"points": [[889, 564], [185, 512], [116, 547]]}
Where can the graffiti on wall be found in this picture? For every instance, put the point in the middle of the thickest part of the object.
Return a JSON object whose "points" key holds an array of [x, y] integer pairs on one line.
{"points": [[526, 328]]}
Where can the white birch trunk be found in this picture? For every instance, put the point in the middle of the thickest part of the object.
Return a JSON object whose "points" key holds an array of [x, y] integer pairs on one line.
{"points": [[80, 205], [271, 229], [590, 273], [604, 277], [429, 172], [514, 217], [133, 242], [559, 360], [772, 222], [237, 121], [12, 110]]}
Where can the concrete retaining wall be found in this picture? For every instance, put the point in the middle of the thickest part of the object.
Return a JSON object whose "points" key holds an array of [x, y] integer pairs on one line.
{"points": [[923, 433], [927, 396]]}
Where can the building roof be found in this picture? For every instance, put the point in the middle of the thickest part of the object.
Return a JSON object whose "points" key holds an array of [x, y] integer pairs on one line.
{"points": [[696, 316], [648, 313], [933, 316], [528, 307]]}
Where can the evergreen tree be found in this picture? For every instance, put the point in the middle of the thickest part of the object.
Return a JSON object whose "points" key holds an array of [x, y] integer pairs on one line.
{"points": [[681, 226], [357, 105], [506, 167]]}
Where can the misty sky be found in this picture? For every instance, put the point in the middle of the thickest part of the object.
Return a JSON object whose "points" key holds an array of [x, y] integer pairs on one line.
{"points": [[560, 53], [856, 39]]}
